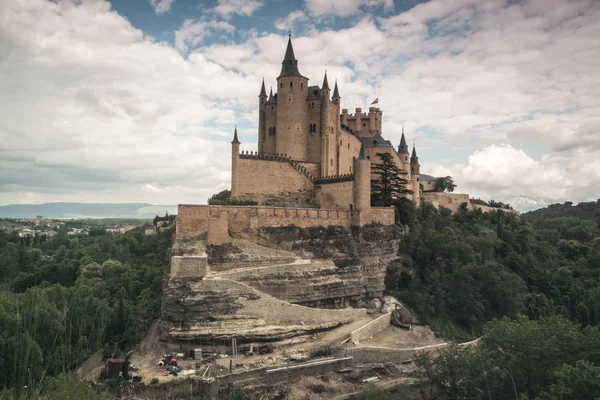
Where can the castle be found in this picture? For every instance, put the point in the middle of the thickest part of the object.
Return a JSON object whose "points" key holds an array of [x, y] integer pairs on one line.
{"points": [[322, 154]]}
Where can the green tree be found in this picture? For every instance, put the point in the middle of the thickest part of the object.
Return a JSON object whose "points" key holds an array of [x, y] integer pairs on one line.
{"points": [[444, 184], [388, 184]]}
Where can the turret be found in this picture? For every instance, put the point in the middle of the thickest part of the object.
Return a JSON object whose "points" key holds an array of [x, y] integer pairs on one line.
{"points": [[336, 94], [326, 130], [403, 150], [358, 123], [235, 158], [361, 214], [262, 104], [292, 113], [415, 171]]}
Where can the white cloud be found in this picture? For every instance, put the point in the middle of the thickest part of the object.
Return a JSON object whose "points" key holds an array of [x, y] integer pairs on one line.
{"points": [[344, 8], [161, 6], [92, 109], [503, 170], [242, 7], [192, 33], [283, 24]]}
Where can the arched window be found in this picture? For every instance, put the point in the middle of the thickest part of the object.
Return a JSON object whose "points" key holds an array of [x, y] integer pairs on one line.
{"points": [[301, 85], [291, 84]]}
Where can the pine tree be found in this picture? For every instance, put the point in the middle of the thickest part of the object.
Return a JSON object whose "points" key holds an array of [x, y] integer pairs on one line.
{"points": [[389, 183]]}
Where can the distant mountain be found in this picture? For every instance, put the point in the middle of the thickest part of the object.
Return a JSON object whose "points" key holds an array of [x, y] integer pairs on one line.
{"points": [[86, 210], [526, 203]]}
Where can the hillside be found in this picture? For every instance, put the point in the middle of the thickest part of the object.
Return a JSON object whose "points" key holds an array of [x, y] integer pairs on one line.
{"points": [[86, 210], [584, 210]]}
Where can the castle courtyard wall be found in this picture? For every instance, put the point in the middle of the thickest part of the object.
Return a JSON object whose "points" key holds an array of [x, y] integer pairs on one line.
{"points": [[271, 177], [335, 195]]}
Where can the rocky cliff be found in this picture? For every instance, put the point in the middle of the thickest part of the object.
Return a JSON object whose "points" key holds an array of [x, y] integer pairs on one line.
{"points": [[275, 283]]}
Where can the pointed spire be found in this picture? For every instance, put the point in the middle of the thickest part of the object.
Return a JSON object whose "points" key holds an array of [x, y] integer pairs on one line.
{"points": [[271, 95], [235, 137], [413, 157], [289, 65], [361, 155], [336, 93], [403, 148], [325, 83], [263, 92]]}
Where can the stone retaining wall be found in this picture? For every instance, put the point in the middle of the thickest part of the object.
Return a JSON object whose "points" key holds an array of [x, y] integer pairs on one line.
{"points": [[371, 328]]}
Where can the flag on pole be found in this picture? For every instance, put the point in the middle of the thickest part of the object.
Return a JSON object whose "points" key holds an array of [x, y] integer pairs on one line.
{"points": [[376, 101]]}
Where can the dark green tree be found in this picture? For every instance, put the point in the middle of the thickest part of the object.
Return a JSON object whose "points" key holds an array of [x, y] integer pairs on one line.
{"points": [[389, 183], [444, 184]]}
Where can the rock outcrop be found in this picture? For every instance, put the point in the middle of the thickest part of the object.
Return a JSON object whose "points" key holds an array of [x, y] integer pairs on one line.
{"points": [[277, 283]]}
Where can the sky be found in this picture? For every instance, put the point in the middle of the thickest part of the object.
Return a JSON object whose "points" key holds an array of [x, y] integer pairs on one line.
{"points": [[136, 100]]}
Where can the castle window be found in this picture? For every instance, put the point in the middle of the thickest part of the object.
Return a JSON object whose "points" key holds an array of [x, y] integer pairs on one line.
{"points": [[348, 146], [291, 84], [271, 107], [313, 104], [368, 157], [280, 85], [331, 161], [301, 85], [340, 143], [316, 92], [273, 131], [270, 131], [364, 125]]}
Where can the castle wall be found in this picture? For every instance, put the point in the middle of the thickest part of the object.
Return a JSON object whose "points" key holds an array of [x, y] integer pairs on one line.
{"points": [[270, 178], [349, 149], [335, 195], [371, 328], [193, 220], [383, 215], [451, 201], [428, 185], [218, 229]]}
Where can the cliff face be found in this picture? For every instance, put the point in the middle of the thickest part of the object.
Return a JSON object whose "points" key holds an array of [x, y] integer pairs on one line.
{"points": [[275, 283]]}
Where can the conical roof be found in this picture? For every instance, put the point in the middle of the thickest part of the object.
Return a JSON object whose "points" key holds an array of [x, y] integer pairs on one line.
{"points": [[263, 92], [361, 155], [235, 137], [336, 93], [325, 83], [289, 65], [403, 148], [413, 157]]}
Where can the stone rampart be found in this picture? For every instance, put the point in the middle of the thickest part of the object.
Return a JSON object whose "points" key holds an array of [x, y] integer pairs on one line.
{"points": [[369, 354], [193, 220], [383, 215], [451, 201], [335, 194], [371, 328]]}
